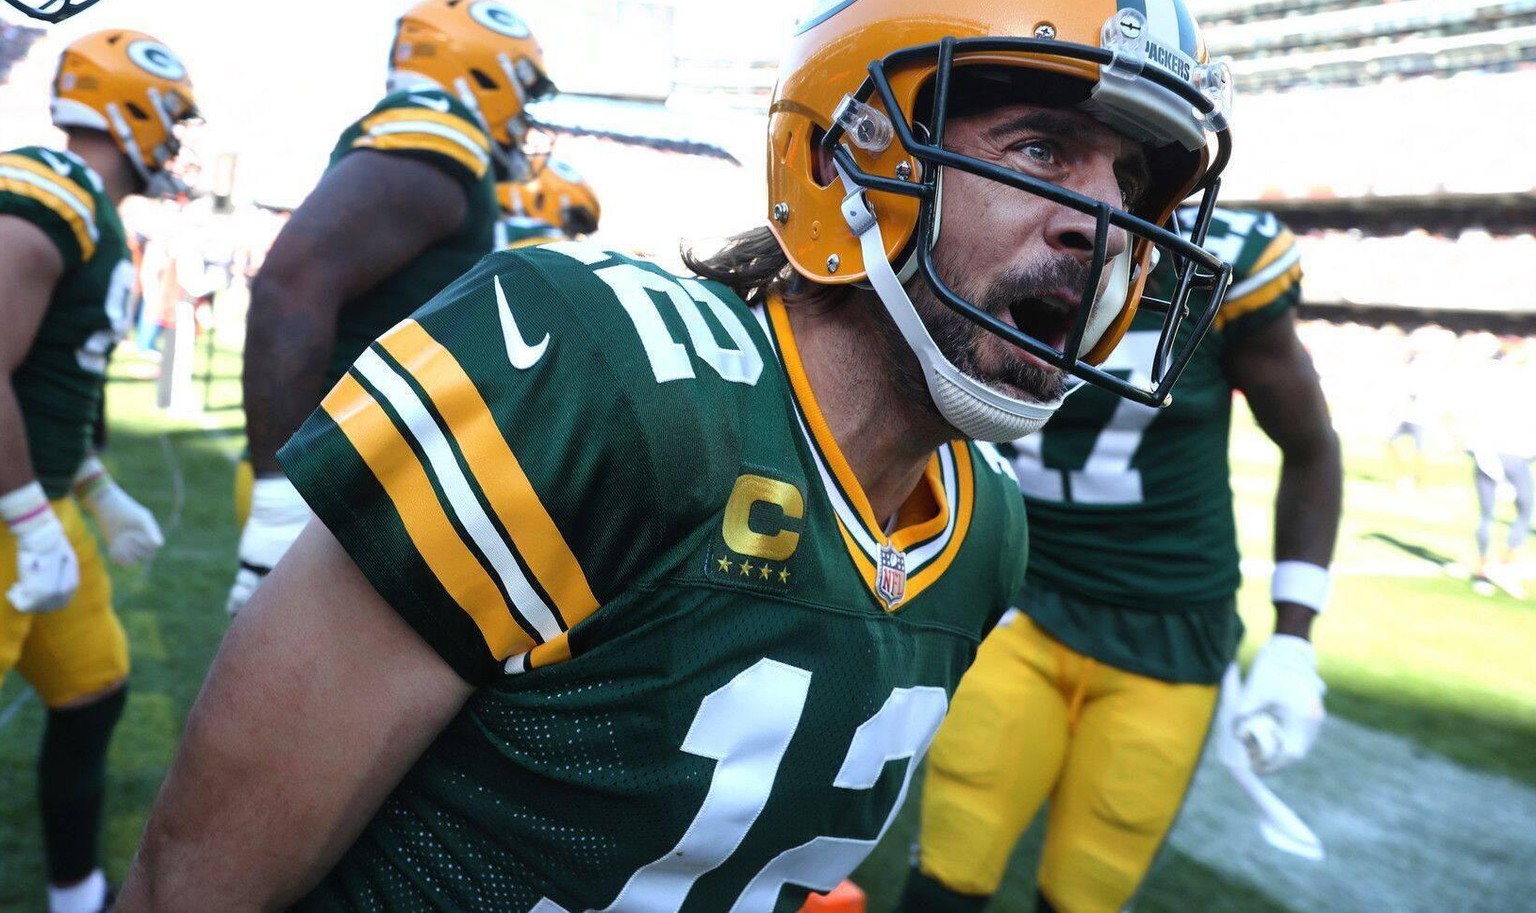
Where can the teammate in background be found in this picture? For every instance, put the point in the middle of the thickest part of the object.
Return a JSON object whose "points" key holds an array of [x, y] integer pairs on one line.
{"points": [[406, 205], [641, 591], [65, 285], [557, 204], [1502, 448], [1099, 692]]}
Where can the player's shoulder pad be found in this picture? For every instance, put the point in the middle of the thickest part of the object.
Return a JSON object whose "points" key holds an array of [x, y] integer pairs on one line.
{"points": [[1266, 263], [429, 123], [57, 191], [667, 361]]}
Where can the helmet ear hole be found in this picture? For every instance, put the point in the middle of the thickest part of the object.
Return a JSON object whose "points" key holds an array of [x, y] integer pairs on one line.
{"points": [[137, 112], [482, 80], [822, 170]]}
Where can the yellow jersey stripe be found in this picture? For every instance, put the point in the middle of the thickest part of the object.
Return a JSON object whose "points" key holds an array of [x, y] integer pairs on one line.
{"points": [[389, 457], [458, 493], [471, 134], [512, 496], [62, 183], [52, 195], [1255, 298], [965, 484], [421, 142]]}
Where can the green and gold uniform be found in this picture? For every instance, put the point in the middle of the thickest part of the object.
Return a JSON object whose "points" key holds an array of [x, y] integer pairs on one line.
{"points": [[607, 496], [432, 126], [79, 649], [1100, 694]]}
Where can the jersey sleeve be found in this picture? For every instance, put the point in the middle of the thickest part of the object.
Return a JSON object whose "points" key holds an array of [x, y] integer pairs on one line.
{"points": [[47, 189], [1266, 278], [995, 470], [487, 467], [427, 125]]}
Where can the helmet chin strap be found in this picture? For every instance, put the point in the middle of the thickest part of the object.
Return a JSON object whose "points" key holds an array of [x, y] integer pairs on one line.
{"points": [[971, 407]]}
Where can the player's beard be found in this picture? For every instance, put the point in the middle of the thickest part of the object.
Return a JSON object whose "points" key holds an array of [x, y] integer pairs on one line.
{"points": [[960, 340]]}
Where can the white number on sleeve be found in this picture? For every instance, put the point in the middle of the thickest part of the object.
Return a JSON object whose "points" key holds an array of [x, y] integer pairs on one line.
{"points": [[92, 356]]}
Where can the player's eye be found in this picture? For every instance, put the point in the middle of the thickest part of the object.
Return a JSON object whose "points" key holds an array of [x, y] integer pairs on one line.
{"points": [[1037, 151]]}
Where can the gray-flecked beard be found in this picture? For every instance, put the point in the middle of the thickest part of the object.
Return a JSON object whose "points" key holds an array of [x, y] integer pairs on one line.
{"points": [[957, 337]]}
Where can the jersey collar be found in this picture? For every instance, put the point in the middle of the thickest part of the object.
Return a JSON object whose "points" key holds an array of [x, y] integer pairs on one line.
{"points": [[931, 524]]}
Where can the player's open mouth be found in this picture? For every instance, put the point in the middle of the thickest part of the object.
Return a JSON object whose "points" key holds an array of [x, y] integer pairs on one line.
{"points": [[1047, 318]]}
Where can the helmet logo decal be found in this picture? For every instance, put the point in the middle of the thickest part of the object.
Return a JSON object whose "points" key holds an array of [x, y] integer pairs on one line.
{"points": [[51, 10], [499, 19], [157, 59]]}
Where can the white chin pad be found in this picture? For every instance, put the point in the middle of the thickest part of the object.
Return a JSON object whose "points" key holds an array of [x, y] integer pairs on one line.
{"points": [[1107, 307]]}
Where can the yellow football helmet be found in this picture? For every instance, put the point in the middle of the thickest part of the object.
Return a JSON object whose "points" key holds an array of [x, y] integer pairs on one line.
{"points": [[870, 84], [557, 196], [130, 86], [482, 52]]}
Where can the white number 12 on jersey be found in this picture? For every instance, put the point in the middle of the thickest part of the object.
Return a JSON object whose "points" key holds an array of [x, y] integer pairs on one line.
{"points": [[745, 726]]}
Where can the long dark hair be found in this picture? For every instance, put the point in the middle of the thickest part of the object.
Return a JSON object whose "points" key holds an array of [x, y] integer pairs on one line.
{"points": [[753, 265]]}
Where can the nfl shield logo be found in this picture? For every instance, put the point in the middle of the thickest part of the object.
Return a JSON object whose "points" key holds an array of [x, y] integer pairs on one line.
{"points": [[891, 578]]}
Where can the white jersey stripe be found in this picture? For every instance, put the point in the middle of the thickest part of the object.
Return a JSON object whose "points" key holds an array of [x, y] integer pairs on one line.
{"points": [[461, 498], [53, 188], [434, 129], [1264, 276]]}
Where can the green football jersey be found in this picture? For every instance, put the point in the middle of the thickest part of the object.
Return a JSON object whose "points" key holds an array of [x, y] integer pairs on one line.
{"points": [[1135, 543], [607, 496], [433, 126], [521, 231], [59, 384]]}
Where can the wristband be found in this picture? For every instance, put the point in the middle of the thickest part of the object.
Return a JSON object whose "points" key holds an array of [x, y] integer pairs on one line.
{"points": [[1301, 582], [25, 508], [91, 478]]}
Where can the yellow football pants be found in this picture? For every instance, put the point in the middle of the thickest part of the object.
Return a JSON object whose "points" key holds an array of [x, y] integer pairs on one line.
{"points": [[78, 650], [245, 481], [1035, 720]]}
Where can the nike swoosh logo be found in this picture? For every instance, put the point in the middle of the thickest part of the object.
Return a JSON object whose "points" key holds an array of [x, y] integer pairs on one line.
{"points": [[522, 355], [61, 167], [436, 104]]}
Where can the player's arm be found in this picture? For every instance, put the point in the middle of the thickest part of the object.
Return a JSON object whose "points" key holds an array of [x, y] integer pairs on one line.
{"points": [[319, 700], [30, 268], [47, 572], [371, 215], [1280, 710], [1275, 373]]}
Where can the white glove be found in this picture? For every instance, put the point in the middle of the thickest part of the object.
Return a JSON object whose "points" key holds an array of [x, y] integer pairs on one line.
{"points": [[278, 515], [1280, 709], [47, 572], [130, 529]]}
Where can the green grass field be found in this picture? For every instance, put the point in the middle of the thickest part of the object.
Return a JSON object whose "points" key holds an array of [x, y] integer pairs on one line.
{"points": [[1408, 651]]}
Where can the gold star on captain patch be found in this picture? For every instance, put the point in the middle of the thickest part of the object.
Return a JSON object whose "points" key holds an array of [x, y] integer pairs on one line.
{"points": [[746, 568], [784, 575], [766, 572], [725, 564]]}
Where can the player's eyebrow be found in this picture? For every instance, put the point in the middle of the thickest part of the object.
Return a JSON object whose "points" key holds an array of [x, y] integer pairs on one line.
{"points": [[1047, 121]]}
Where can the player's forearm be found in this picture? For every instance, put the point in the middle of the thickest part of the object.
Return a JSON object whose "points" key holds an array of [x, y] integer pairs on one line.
{"points": [[288, 344], [1308, 501], [15, 460], [1307, 506]]}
